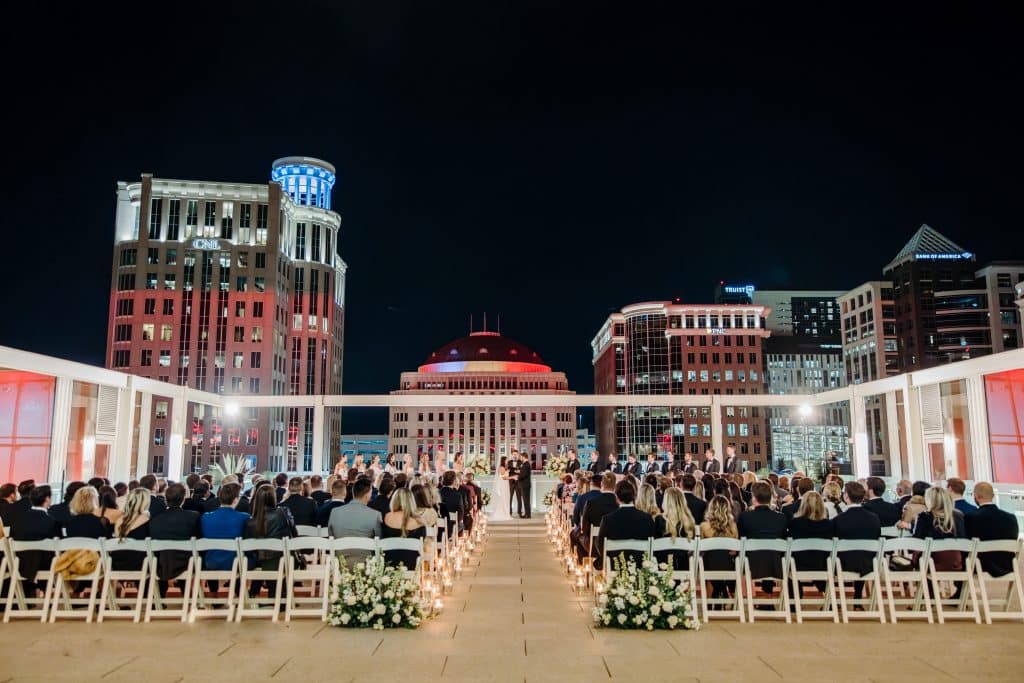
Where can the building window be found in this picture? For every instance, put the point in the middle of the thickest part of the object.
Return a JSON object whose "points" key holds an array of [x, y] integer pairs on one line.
{"points": [[165, 332], [254, 385], [165, 359], [170, 281], [159, 436], [147, 331], [150, 280], [155, 205], [125, 306], [161, 410], [123, 333], [257, 309], [238, 359], [149, 306], [210, 220], [153, 256], [126, 281], [255, 359], [122, 359], [147, 357], [262, 213], [168, 306]]}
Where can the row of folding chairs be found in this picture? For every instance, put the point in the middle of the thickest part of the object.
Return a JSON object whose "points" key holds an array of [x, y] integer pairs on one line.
{"points": [[909, 588], [296, 587]]}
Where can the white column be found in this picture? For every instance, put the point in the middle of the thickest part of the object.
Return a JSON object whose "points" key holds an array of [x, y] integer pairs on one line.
{"points": [[121, 454], [176, 442], [317, 466], [859, 428], [980, 440], [912, 431], [60, 425], [892, 430], [717, 437], [142, 465]]}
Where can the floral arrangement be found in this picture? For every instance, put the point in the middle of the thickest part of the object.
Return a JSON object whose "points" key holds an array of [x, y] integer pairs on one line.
{"points": [[549, 498], [480, 466], [374, 595], [642, 598], [556, 464], [485, 497]]}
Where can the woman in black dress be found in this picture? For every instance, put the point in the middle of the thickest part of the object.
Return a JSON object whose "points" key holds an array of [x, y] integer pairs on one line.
{"points": [[86, 520], [811, 521], [402, 522]]}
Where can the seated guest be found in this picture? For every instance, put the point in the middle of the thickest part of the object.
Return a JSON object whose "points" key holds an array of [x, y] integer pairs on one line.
{"points": [[175, 524], [990, 523], [593, 512], [452, 499], [763, 522], [108, 505], [564, 482], [197, 501], [904, 492], [35, 524], [303, 509], [24, 502], [385, 487], [915, 506], [590, 488], [832, 495], [402, 522], [708, 484], [356, 519], [267, 521], [956, 488], [469, 501], [156, 500], [693, 501], [61, 511], [811, 521], [132, 525], [8, 496], [316, 491], [86, 521], [625, 523], [675, 521], [280, 484], [888, 513], [121, 489], [800, 487], [645, 501], [719, 523], [941, 520], [857, 523], [339, 491], [476, 491], [224, 522]]}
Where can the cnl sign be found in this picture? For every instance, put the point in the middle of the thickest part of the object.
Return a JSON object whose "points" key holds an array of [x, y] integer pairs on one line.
{"points": [[205, 244]]}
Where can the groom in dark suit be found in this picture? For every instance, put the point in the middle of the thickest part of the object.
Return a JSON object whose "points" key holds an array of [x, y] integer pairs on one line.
{"points": [[513, 480], [525, 470]]}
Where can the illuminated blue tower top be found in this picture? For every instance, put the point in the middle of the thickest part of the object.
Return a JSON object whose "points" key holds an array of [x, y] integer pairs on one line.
{"points": [[307, 181]]}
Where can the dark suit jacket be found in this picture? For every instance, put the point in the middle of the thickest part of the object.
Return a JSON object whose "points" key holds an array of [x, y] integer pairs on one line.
{"points": [[712, 466], [157, 506], [452, 500], [697, 507], [525, 472], [688, 468], [857, 523], [731, 465], [323, 513], [320, 497], [635, 469], [593, 512], [194, 504], [763, 522], [61, 513], [581, 501], [990, 523], [7, 512], [304, 509], [34, 525], [791, 510], [652, 467], [888, 513], [211, 504], [174, 525], [623, 523], [572, 466]]}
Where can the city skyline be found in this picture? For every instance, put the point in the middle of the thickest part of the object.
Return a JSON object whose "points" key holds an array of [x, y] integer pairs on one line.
{"points": [[514, 176]]}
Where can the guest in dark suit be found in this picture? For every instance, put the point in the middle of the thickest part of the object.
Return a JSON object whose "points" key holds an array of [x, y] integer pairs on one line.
{"points": [[303, 509], [763, 522], [24, 502], [652, 466], [591, 488], [280, 486], [625, 523], [633, 467], [696, 505], [525, 486], [990, 523], [35, 524], [904, 492], [888, 513], [62, 512], [857, 523], [316, 488], [804, 486], [157, 504], [197, 501], [176, 524], [451, 498], [670, 464], [602, 463], [339, 492], [8, 496], [731, 463], [711, 464], [593, 512], [957, 488], [688, 466], [574, 462]]}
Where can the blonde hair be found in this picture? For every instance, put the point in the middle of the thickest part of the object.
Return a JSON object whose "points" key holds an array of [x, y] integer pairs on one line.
{"points": [[677, 513], [719, 517], [940, 504], [85, 501], [832, 492], [749, 478], [812, 507], [645, 500], [135, 505], [403, 501]]}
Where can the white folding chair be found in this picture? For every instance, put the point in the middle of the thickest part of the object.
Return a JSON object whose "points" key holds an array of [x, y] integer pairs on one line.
{"points": [[410, 544], [367, 546], [680, 546], [318, 574], [163, 605], [61, 602], [965, 577], [5, 564], [872, 607], [612, 549], [733, 576], [306, 530], [891, 532], [826, 607], [588, 561], [254, 605], [115, 581], [29, 606], [1012, 581], [781, 604], [204, 605], [913, 578]]}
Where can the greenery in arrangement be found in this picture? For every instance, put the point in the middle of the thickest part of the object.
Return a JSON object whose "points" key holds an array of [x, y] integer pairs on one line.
{"points": [[374, 595], [230, 464], [556, 464], [642, 598], [480, 466]]}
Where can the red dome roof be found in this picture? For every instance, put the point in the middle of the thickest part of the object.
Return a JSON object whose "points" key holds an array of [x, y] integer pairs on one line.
{"points": [[479, 348]]}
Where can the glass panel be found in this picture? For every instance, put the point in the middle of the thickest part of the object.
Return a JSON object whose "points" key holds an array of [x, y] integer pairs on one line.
{"points": [[26, 410], [1005, 398]]}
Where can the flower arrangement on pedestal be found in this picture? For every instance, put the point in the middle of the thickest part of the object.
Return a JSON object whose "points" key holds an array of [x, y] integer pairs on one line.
{"points": [[479, 466], [642, 598], [556, 464], [374, 595], [549, 498], [485, 497]]}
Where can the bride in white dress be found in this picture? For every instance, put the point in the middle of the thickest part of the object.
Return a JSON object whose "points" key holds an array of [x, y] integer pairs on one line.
{"points": [[498, 511]]}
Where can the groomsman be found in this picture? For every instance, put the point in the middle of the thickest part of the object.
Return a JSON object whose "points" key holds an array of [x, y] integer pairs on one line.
{"points": [[689, 466], [711, 464], [513, 481], [670, 464], [633, 467], [574, 462], [731, 464], [653, 466]]}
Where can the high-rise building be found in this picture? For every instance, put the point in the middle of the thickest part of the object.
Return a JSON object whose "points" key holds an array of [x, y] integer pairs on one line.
{"points": [[801, 313], [729, 293], [673, 348], [482, 363], [586, 442], [869, 332], [232, 288]]}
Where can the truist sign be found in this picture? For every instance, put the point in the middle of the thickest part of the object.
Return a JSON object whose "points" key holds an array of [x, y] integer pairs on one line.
{"points": [[205, 244]]}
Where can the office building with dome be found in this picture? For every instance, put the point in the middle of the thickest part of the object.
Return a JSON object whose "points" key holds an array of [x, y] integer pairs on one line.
{"points": [[482, 363]]}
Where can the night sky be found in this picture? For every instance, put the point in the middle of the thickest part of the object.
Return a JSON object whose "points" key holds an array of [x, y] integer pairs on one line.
{"points": [[548, 164]]}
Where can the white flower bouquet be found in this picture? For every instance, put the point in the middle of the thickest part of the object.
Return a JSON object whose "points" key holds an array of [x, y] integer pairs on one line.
{"points": [[374, 595], [642, 598], [549, 498], [556, 464], [485, 497], [479, 466]]}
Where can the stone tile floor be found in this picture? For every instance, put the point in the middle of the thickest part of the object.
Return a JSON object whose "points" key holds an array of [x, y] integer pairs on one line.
{"points": [[512, 617]]}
